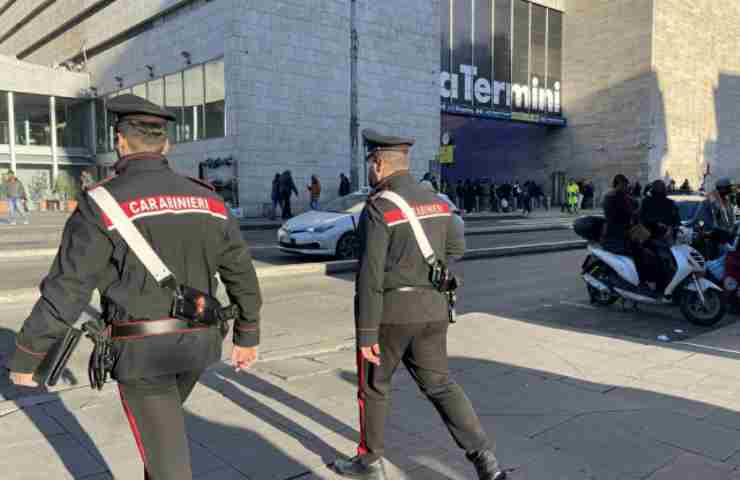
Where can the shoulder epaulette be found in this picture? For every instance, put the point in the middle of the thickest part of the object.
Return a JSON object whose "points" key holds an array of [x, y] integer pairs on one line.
{"points": [[202, 183]]}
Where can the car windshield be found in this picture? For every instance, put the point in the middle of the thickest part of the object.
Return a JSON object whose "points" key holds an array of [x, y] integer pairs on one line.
{"points": [[349, 204], [688, 209]]}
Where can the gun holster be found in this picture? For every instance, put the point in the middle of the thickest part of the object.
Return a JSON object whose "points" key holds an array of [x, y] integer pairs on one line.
{"points": [[200, 308], [445, 281]]}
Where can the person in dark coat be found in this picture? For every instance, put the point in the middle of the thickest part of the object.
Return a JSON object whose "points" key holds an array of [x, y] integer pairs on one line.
{"points": [[660, 215], [460, 195], [618, 210], [344, 185], [287, 187], [469, 196], [275, 196]]}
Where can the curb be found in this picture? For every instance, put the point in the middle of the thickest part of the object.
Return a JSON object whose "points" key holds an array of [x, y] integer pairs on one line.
{"points": [[51, 252], [474, 218], [524, 229], [345, 266]]}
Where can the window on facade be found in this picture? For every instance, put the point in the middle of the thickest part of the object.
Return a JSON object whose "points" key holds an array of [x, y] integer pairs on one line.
{"points": [[501, 48], [32, 119], [538, 56], [482, 50], [193, 106], [155, 91], [520, 56], [173, 103], [445, 40], [72, 121], [215, 106], [462, 45], [555, 51], [4, 124]]}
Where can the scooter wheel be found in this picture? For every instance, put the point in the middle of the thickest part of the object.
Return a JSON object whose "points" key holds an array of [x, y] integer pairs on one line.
{"points": [[705, 315]]}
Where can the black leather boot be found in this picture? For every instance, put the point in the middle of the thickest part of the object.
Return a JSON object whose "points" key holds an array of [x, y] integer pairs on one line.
{"points": [[356, 468], [486, 465]]}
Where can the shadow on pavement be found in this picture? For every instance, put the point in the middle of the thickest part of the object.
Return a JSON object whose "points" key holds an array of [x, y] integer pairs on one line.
{"points": [[50, 417]]}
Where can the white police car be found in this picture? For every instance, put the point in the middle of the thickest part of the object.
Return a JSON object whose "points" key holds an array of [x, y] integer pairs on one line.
{"points": [[331, 231]]}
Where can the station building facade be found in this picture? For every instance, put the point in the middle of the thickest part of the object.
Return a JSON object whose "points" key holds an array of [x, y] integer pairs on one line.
{"points": [[587, 89], [257, 87], [523, 89]]}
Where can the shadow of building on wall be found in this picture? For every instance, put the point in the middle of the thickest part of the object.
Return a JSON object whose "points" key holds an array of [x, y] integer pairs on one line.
{"points": [[620, 129], [721, 155]]}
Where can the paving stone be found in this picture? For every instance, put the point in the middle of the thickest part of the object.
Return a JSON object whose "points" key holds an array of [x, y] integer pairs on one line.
{"points": [[203, 459], [648, 399], [685, 432], [606, 443], [345, 359], [295, 368], [30, 424], [57, 457], [558, 465], [690, 466], [725, 418], [221, 474]]}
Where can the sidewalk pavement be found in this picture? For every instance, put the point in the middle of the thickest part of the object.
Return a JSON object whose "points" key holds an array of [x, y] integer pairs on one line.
{"points": [[563, 405]]}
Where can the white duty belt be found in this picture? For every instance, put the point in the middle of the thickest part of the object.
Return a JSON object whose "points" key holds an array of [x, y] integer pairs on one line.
{"points": [[130, 234], [421, 237]]}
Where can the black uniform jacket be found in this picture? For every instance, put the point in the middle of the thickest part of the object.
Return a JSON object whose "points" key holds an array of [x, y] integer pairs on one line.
{"points": [[390, 259], [194, 234]]}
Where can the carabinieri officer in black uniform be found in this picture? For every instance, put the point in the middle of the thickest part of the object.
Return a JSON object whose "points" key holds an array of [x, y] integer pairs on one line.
{"points": [[158, 359], [401, 316]]}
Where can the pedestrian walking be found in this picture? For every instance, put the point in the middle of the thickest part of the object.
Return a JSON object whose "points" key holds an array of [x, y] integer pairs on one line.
{"points": [[275, 196], [344, 185], [287, 188], [403, 311], [516, 193], [460, 195], [314, 189], [572, 196], [17, 198], [493, 195], [180, 233]]}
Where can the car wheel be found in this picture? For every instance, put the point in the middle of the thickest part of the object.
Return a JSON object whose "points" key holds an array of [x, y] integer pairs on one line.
{"points": [[348, 246]]}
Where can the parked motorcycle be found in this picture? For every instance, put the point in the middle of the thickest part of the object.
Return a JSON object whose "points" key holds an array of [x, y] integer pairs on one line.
{"points": [[610, 277]]}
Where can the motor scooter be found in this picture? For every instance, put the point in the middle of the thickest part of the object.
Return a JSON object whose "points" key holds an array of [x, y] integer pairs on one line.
{"points": [[610, 277]]}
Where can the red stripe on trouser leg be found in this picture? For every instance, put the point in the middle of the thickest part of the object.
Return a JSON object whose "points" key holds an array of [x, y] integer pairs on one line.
{"points": [[134, 429], [362, 447]]}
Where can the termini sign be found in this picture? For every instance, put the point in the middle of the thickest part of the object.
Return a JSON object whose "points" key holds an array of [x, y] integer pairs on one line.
{"points": [[501, 58], [468, 86]]}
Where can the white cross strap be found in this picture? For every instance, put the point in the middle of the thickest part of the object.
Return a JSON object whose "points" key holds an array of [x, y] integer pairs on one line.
{"points": [[421, 237], [131, 235]]}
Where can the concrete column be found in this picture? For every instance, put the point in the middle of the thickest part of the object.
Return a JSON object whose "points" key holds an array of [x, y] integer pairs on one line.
{"points": [[27, 128], [54, 153], [11, 130]]}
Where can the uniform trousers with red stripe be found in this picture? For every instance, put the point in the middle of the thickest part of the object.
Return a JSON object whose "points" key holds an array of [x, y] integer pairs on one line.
{"points": [[154, 410], [422, 347]]}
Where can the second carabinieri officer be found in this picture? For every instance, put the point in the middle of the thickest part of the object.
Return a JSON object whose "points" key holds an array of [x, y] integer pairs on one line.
{"points": [[402, 313], [157, 359]]}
